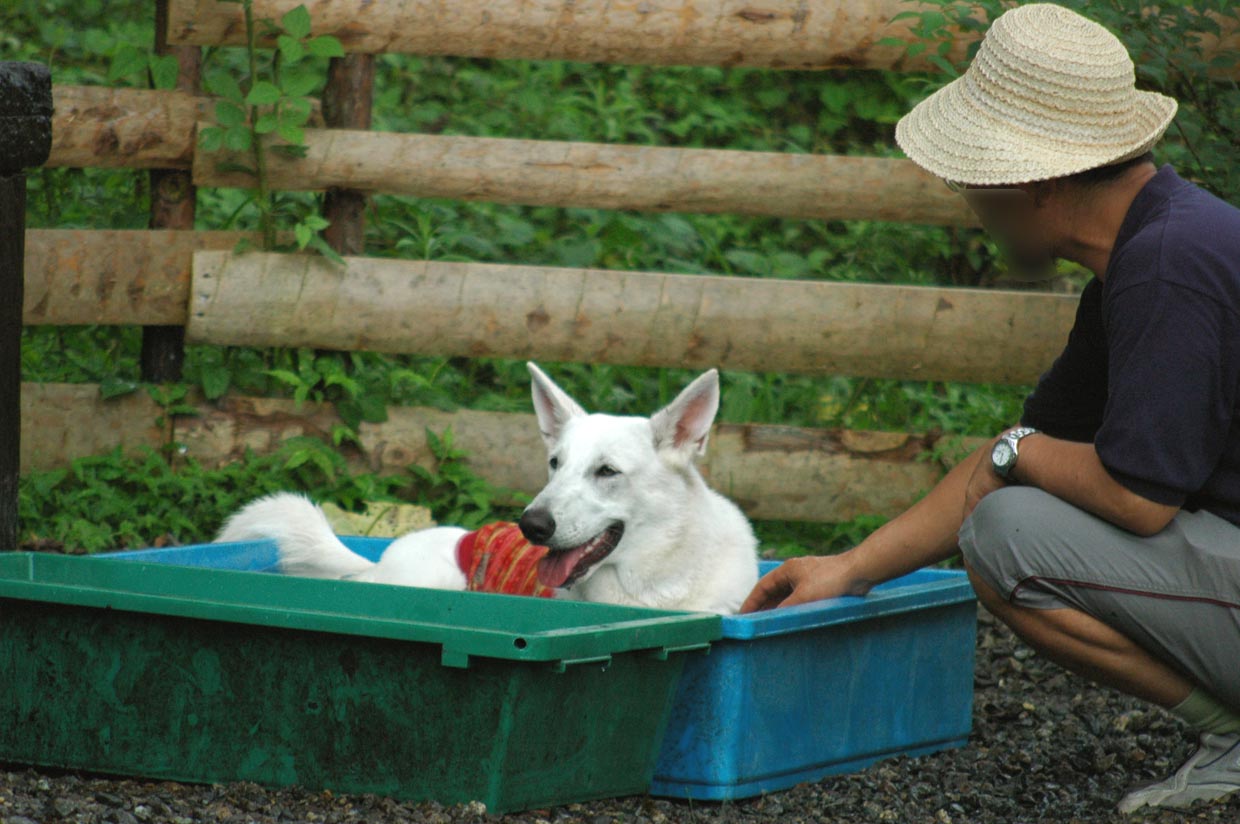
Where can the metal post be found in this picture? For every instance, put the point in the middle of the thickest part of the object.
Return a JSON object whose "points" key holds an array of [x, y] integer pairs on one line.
{"points": [[25, 141]]}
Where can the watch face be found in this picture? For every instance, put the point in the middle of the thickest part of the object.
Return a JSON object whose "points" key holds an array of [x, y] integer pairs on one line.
{"points": [[1002, 454]]}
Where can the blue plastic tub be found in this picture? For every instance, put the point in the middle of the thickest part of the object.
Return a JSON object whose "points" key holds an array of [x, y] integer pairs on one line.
{"points": [[786, 696], [799, 693]]}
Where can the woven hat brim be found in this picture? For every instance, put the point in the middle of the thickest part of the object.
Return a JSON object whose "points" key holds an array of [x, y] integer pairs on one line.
{"points": [[953, 137]]}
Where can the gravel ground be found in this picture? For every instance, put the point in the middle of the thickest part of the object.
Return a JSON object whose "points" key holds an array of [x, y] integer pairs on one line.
{"points": [[1046, 746]]}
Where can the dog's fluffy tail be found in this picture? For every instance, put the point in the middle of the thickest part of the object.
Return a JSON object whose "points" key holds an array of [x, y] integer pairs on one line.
{"points": [[307, 545]]}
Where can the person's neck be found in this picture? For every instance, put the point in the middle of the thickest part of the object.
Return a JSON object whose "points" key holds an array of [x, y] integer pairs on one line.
{"points": [[1090, 219]]}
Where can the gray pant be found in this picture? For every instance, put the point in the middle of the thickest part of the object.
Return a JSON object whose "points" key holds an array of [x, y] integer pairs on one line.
{"points": [[1176, 594]]}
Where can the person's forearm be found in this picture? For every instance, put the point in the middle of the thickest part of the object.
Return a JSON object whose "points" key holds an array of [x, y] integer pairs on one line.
{"points": [[924, 534], [1074, 473]]}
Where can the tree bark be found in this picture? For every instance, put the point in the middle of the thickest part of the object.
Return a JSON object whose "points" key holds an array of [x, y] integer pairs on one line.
{"points": [[347, 101], [173, 201]]}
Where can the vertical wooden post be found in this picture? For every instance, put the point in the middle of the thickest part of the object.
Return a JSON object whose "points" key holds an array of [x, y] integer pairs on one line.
{"points": [[347, 102], [172, 207], [25, 141]]}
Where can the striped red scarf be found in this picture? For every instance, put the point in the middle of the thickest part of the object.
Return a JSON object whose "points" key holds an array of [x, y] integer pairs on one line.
{"points": [[498, 558]]}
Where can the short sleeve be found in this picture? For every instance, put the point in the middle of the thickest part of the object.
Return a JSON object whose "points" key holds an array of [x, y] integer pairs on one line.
{"points": [[1070, 397], [1171, 389]]}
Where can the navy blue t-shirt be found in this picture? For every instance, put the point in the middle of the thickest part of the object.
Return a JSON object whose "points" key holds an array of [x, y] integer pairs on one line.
{"points": [[1151, 372]]}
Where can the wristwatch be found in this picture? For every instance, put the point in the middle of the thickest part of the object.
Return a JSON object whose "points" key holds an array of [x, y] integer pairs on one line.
{"points": [[1004, 454]]}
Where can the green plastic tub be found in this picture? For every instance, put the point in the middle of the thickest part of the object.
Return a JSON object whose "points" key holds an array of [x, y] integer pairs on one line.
{"points": [[208, 675]]}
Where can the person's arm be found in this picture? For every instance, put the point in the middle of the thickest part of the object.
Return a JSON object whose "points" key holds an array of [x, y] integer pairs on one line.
{"points": [[924, 534], [1074, 473]]}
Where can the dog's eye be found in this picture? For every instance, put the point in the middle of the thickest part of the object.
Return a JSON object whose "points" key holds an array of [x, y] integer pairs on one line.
{"points": [[554, 463], [606, 471]]}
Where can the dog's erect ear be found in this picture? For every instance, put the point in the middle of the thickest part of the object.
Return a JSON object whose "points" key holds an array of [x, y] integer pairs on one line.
{"points": [[683, 426], [552, 404]]}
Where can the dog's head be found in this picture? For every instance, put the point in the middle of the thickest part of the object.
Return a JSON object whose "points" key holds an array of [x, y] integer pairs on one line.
{"points": [[614, 482]]}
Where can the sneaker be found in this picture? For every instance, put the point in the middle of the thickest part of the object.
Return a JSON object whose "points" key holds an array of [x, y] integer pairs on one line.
{"points": [[1211, 773]]}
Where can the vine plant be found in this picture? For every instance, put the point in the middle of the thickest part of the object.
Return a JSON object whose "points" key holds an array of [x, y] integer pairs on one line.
{"points": [[265, 113]]}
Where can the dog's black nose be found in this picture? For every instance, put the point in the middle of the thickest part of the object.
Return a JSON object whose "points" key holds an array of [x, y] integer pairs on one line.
{"points": [[537, 525]]}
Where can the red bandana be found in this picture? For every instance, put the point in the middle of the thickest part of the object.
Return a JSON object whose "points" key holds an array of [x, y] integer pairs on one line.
{"points": [[497, 558]]}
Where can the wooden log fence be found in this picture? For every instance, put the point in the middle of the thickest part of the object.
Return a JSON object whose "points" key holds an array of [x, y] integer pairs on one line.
{"points": [[105, 128], [634, 318], [99, 127], [141, 129], [607, 176], [772, 472], [172, 277], [778, 34], [112, 277]]}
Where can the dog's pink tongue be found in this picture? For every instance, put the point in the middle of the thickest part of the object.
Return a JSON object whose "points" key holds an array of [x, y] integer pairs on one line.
{"points": [[555, 567]]}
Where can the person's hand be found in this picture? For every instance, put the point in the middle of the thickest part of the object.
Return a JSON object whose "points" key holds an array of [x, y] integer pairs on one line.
{"points": [[982, 482], [799, 580]]}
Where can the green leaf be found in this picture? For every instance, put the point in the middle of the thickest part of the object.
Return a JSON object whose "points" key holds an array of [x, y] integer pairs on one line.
{"points": [[229, 114], [291, 48], [303, 234], [299, 82], [325, 46], [374, 410], [267, 123], [285, 150], [225, 85], [284, 376], [164, 71], [238, 138], [296, 22], [319, 245], [263, 93], [316, 222], [350, 411], [215, 381], [127, 60], [210, 138], [114, 387], [292, 133]]}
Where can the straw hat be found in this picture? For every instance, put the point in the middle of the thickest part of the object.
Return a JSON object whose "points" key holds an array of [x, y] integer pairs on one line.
{"points": [[1049, 94]]}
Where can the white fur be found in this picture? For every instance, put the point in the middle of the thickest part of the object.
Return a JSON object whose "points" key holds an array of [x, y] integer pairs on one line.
{"points": [[684, 545]]}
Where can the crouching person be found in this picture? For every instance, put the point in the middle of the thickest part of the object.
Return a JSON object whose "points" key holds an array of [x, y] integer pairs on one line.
{"points": [[1105, 529]]}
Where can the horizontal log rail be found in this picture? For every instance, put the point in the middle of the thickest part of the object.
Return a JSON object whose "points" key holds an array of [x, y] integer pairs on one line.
{"points": [[605, 176], [772, 472], [100, 127], [780, 34], [112, 277], [622, 317]]}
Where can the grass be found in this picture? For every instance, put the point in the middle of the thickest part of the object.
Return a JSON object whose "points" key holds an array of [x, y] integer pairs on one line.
{"points": [[110, 500]]}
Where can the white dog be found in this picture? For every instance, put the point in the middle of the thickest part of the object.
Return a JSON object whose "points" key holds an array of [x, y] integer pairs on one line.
{"points": [[625, 515]]}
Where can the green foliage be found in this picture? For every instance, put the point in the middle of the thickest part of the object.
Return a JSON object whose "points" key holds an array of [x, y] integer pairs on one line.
{"points": [[113, 501], [266, 113], [453, 492]]}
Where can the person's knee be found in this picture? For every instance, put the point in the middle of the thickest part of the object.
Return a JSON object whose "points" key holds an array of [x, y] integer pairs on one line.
{"points": [[1000, 531], [987, 595]]}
